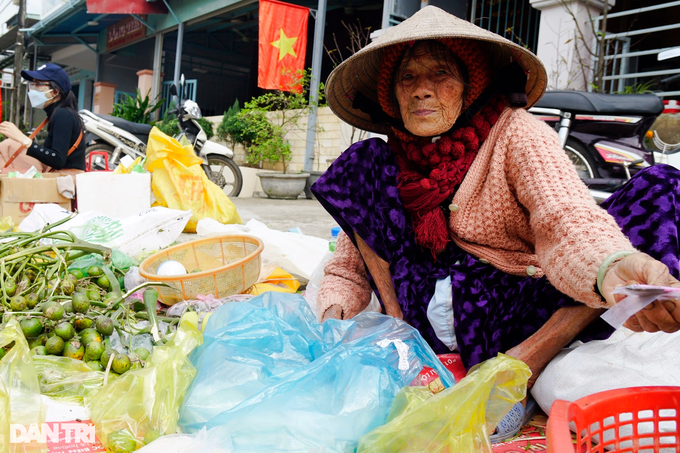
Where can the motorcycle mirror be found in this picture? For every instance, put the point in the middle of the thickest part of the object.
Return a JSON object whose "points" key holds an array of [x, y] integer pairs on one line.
{"points": [[173, 90]]}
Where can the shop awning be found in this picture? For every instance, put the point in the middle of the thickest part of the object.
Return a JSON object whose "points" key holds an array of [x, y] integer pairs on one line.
{"points": [[8, 39], [6, 61], [56, 17], [72, 24]]}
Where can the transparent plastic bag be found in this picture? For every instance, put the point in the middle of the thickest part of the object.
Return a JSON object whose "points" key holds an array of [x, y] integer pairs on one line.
{"points": [[458, 419], [312, 291], [20, 401], [314, 284], [133, 278], [64, 378], [203, 304], [289, 383], [143, 404], [118, 259]]}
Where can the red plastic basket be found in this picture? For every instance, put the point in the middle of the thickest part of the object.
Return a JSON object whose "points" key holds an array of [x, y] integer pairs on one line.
{"points": [[638, 419]]}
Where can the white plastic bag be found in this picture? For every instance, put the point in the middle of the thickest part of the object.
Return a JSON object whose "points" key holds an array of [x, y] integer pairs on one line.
{"points": [[295, 253], [205, 304], [133, 278], [150, 230], [626, 359], [215, 440]]}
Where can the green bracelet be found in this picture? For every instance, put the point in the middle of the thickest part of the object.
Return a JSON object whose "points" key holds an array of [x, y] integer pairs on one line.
{"points": [[608, 262]]}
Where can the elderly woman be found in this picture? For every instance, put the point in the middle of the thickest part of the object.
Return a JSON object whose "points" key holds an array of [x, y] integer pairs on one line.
{"points": [[470, 223]]}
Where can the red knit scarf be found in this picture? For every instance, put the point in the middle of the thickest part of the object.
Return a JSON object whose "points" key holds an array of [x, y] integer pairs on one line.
{"points": [[445, 164], [431, 172], [432, 169]]}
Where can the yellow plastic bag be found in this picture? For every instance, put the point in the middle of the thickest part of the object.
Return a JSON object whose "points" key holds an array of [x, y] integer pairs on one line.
{"points": [[6, 224], [279, 281], [456, 420], [20, 402], [123, 170], [179, 182], [143, 404]]}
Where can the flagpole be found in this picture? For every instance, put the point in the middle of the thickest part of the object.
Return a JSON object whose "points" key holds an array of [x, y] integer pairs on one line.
{"points": [[314, 84]]}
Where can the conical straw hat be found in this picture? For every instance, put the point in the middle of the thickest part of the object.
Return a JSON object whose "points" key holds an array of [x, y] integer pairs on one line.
{"points": [[360, 72]]}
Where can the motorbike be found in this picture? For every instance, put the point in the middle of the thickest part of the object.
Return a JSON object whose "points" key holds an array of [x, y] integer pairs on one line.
{"points": [[605, 135], [109, 138]]}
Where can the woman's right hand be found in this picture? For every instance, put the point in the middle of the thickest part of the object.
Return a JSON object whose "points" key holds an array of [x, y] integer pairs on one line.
{"points": [[9, 130], [333, 312], [637, 269]]}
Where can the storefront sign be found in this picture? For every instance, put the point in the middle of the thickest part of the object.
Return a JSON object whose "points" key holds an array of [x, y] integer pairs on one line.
{"points": [[125, 7], [124, 32]]}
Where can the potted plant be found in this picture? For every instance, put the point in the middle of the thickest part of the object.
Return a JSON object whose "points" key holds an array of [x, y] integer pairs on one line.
{"points": [[137, 109], [261, 125], [284, 185]]}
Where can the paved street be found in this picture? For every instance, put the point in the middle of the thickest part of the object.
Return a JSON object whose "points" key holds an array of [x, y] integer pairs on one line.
{"points": [[308, 215]]}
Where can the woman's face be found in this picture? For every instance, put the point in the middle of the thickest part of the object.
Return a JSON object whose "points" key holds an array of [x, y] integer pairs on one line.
{"points": [[44, 86], [429, 92]]}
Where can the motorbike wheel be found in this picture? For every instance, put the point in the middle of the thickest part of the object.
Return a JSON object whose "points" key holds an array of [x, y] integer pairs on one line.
{"points": [[97, 163], [583, 162], [225, 173]]}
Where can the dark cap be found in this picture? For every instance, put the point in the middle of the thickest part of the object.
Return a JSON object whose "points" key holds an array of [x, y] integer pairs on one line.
{"points": [[49, 71]]}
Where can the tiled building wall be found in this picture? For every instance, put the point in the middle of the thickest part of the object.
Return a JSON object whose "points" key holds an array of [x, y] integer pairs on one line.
{"points": [[334, 136]]}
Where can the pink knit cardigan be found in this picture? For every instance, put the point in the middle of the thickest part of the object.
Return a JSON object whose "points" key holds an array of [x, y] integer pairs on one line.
{"points": [[521, 207]]}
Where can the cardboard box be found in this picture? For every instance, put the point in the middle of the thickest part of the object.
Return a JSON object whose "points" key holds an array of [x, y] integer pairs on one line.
{"points": [[115, 195], [18, 196]]}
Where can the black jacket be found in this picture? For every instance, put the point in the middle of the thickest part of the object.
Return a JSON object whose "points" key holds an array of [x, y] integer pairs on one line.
{"points": [[63, 129]]}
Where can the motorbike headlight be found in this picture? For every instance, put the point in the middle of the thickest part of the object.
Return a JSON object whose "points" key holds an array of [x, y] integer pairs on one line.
{"points": [[192, 109]]}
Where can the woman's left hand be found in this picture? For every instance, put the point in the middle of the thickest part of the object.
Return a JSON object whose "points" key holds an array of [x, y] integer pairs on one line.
{"points": [[640, 268], [9, 130]]}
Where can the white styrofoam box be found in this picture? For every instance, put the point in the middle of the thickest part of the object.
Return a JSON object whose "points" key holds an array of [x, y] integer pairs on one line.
{"points": [[112, 194]]}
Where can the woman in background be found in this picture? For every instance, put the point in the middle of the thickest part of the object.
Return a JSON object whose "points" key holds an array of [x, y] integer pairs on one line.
{"points": [[63, 150]]}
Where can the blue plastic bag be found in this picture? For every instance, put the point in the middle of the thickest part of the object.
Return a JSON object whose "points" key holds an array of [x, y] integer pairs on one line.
{"points": [[278, 380]]}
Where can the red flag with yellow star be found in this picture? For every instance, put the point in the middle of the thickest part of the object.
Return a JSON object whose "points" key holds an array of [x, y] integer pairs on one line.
{"points": [[283, 45]]}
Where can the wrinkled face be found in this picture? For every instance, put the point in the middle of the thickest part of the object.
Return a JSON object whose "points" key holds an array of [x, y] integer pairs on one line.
{"points": [[429, 90]]}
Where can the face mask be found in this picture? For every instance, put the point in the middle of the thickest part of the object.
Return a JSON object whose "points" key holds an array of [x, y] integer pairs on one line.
{"points": [[37, 98]]}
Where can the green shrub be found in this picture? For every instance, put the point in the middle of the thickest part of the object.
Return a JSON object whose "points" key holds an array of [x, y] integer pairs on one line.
{"points": [[170, 126], [225, 129], [207, 126], [247, 127], [273, 149]]}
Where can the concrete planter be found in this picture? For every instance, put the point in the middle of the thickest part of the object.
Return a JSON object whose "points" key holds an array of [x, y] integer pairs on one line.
{"points": [[313, 176], [251, 183], [283, 185]]}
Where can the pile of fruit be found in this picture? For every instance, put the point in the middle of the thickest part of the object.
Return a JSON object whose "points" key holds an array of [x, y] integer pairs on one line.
{"points": [[71, 313]]}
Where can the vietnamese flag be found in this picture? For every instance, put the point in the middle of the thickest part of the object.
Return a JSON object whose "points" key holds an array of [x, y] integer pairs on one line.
{"points": [[282, 46]]}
